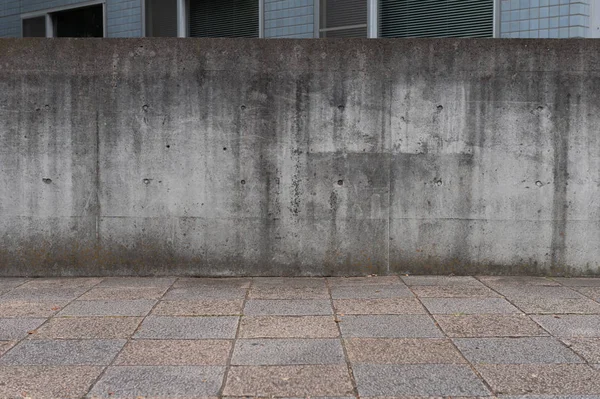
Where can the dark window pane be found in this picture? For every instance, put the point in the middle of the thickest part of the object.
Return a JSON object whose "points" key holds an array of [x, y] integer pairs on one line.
{"points": [[80, 22], [161, 18], [34, 27], [219, 18]]}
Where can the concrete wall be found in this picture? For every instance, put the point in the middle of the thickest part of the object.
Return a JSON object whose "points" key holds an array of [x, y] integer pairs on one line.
{"points": [[123, 17], [291, 157]]}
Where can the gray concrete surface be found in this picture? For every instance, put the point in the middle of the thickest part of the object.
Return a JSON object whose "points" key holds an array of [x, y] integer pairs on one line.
{"points": [[299, 158], [298, 350]]}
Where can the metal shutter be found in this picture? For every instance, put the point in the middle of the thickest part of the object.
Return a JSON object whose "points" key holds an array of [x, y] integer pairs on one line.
{"points": [[343, 18], [223, 18], [436, 18], [161, 18]]}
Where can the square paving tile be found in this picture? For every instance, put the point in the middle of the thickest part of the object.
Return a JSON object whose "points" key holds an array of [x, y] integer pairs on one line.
{"points": [[488, 326], [571, 325], [46, 382], [442, 281], [219, 307], [288, 381], [389, 326], [541, 379], [63, 353], [270, 352], [288, 307], [156, 352], [402, 351], [418, 380], [165, 327], [588, 348], [136, 282], [288, 327], [516, 350], [18, 328], [202, 293], [468, 305], [371, 291], [87, 328], [579, 281], [136, 307], [379, 306], [453, 292], [21, 308], [122, 293], [289, 288], [159, 382], [557, 305]]}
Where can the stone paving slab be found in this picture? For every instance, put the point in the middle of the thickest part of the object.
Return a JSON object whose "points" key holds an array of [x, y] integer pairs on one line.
{"points": [[87, 328], [271, 352], [288, 327], [5, 346], [43, 294], [371, 291], [159, 382], [520, 281], [590, 292], [156, 352], [453, 292], [484, 325], [541, 379], [215, 307], [570, 325], [468, 305], [578, 281], [442, 281], [557, 305], [516, 350], [539, 292], [123, 293], [200, 293], [587, 348], [23, 308], [402, 351], [133, 282], [63, 353], [18, 328], [378, 306], [389, 326], [361, 281], [165, 327], [46, 382], [288, 307], [213, 283], [301, 288], [288, 381], [135, 307], [418, 380]]}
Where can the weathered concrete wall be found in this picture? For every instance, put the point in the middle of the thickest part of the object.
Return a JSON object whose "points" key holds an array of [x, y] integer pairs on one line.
{"points": [[256, 157]]}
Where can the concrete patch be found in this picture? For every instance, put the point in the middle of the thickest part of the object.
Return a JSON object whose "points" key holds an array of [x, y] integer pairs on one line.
{"points": [[389, 326], [63, 353], [270, 352], [159, 382], [163, 327], [418, 380]]}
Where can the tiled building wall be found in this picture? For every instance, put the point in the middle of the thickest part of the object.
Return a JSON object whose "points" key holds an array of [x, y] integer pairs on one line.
{"points": [[544, 18], [124, 17], [289, 18]]}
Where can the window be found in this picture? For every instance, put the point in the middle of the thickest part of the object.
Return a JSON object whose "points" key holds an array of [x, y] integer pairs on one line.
{"points": [[219, 18], [436, 18], [343, 18], [34, 27], [161, 18], [79, 22]]}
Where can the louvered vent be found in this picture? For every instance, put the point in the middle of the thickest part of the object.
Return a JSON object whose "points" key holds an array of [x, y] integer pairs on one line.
{"points": [[161, 18], [436, 18], [223, 18], [343, 18]]}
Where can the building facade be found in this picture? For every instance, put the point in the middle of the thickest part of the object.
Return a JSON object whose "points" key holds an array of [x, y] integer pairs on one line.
{"points": [[301, 18]]}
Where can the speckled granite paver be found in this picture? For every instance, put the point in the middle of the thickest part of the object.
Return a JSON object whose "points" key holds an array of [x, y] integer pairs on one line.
{"points": [[370, 337]]}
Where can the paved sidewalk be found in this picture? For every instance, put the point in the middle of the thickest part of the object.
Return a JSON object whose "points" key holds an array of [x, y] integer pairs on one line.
{"points": [[299, 337]]}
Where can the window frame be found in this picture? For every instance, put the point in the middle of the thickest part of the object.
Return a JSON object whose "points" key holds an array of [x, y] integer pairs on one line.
{"points": [[47, 13]]}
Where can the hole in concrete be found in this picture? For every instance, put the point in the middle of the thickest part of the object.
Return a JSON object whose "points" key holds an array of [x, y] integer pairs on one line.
{"points": [[146, 181], [243, 107], [539, 183], [243, 181], [168, 146], [440, 107], [46, 180], [340, 182], [341, 107], [145, 107], [224, 148]]}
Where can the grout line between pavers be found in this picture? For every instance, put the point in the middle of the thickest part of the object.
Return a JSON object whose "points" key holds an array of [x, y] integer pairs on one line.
{"points": [[128, 340], [234, 341], [471, 365], [528, 315], [68, 302], [342, 343]]}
